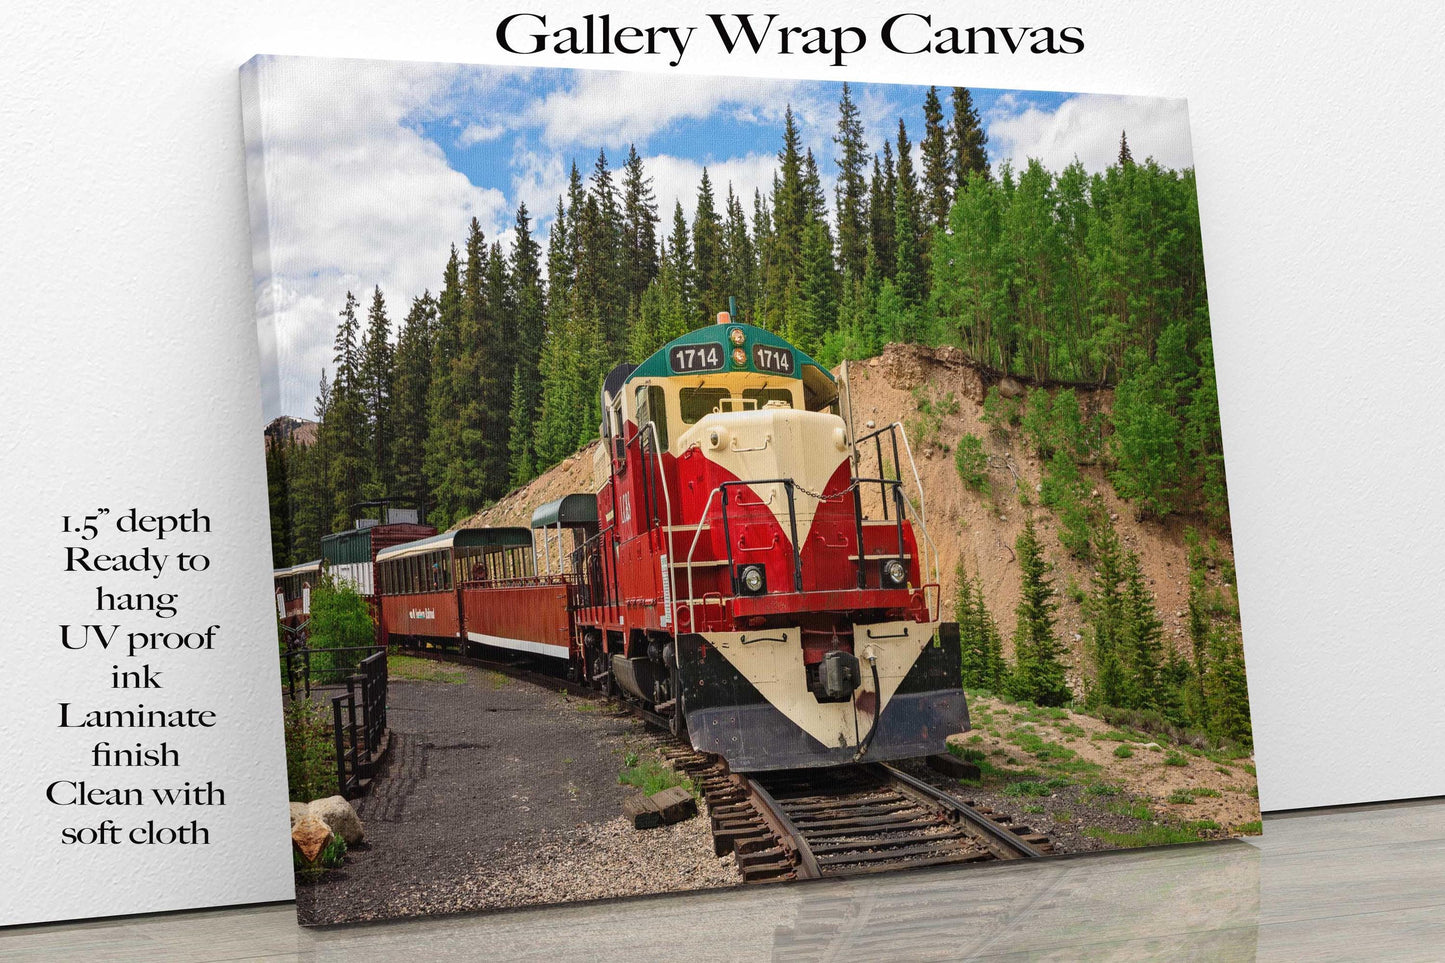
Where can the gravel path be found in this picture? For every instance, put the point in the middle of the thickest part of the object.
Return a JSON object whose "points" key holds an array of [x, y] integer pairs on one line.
{"points": [[498, 793]]}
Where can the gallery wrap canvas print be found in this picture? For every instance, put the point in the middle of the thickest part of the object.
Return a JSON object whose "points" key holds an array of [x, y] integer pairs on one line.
{"points": [[681, 483]]}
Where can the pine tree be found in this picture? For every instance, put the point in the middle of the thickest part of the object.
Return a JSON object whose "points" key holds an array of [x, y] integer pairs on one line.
{"points": [[315, 479], [1126, 159], [788, 214], [851, 190], [817, 307], [679, 259], [909, 274], [880, 217], [375, 374], [498, 352], [739, 259], [707, 246], [639, 227], [1039, 673], [560, 356], [968, 140], [345, 425], [411, 382], [530, 314], [1104, 609], [982, 662], [1198, 621], [602, 249], [1228, 690], [278, 495], [444, 455], [937, 173], [1141, 643]]}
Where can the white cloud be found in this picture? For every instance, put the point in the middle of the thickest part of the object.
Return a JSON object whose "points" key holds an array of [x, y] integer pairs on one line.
{"points": [[609, 109], [1087, 126], [474, 134], [676, 179], [348, 194]]}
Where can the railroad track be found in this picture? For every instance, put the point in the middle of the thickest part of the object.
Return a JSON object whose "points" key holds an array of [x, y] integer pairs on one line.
{"points": [[846, 821], [820, 823]]}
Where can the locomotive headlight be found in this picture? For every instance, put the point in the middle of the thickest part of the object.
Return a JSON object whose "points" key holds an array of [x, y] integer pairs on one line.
{"points": [[740, 357], [752, 580], [895, 573], [736, 336]]}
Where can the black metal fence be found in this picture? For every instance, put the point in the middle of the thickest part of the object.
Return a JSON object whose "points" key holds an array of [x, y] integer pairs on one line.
{"points": [[359, 719], [358, 713]]}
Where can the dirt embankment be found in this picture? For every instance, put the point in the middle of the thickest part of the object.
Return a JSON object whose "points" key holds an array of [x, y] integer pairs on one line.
{"points": [[982, 528]]}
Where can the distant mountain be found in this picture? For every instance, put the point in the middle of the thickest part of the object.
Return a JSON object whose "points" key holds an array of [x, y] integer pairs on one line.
{"points": [[288, 428]]}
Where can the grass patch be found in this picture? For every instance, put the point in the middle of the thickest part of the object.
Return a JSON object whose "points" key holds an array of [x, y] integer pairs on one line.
{"points": [[1155, 835], [1039, 747], [423, 670], [1187, 796], [1252, 828], [965, 753], [1069, 729], [1120, 735], [1026, 789], [1033, 808], [650, 775], [1123, 752], [1132, 808], [1173, 758]]}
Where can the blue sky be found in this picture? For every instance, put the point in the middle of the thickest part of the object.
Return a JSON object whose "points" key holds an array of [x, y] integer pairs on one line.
{"points": [[363, 173]]}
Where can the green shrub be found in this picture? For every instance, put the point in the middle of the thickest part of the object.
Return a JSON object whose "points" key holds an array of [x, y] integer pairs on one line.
{"points": [[1173, 758], [330, 857], [340, 619], [972, 462], [1123, 752], [310, 752], [1001, 414]]}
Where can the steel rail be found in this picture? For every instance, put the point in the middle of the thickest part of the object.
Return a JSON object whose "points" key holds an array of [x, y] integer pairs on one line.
{"points": [[1014, 847]]}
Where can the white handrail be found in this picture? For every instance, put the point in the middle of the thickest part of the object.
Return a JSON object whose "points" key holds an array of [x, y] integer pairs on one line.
{"points": [[922, 507], [697, 533], [666, 535]]}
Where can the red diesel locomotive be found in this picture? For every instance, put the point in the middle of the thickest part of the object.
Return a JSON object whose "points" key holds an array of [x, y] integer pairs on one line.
{"points": [[746, 566]]}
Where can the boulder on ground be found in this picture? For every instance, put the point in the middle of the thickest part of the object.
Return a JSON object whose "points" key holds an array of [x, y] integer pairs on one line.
{"points": [[298, 813], [1010, 388], [339, 816], [310, 836]]}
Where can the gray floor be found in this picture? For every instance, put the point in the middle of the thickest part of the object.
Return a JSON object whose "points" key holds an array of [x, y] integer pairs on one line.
{"points": [[1354, 884]]}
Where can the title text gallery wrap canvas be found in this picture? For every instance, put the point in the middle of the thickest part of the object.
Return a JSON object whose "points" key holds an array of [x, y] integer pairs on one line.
{"points": [[692, 482]]}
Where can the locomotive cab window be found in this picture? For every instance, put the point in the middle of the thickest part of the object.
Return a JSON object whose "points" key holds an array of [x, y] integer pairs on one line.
{"points": [[698, 403], [652, 406], [760, 398]]}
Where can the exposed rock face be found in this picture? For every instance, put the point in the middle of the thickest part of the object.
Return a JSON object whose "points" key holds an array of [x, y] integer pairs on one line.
{"points": [[310, 836], [1010, 388], [339, 816]]}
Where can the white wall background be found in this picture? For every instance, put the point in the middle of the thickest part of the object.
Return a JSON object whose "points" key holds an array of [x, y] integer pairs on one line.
{"points": [[128, 372]]}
